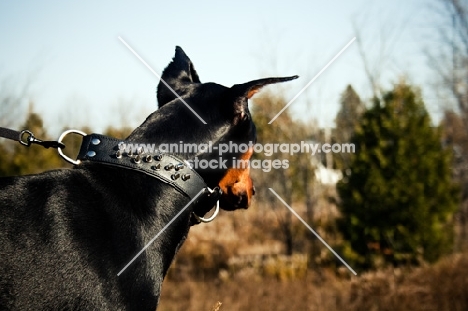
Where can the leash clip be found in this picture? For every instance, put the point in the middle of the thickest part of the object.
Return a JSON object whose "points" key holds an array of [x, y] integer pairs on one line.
{"points": [[31, 139]]}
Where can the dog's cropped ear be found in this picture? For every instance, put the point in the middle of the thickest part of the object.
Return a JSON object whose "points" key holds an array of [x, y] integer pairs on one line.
{"points": [[247, 90], [178, 76], [253, 87]]}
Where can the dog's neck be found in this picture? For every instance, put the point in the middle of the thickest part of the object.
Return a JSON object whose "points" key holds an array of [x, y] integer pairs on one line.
{"points": [[154, 132], [165, 168]]}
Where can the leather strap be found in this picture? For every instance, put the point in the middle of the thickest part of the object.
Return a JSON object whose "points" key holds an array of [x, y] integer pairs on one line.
{"points": [[165, 167], [10, 134]]}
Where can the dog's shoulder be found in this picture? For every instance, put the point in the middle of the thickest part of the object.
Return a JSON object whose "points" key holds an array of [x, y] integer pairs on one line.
{"points": [[34, 189]]}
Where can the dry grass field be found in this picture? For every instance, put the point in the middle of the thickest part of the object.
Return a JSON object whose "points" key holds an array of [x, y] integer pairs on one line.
{"points": [[235, 261], [443, 286]]}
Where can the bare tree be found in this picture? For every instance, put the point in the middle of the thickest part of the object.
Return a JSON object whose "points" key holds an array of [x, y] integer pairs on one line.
{"points": [[377, 45], [450, 63], [13, 101], [292, 181]]}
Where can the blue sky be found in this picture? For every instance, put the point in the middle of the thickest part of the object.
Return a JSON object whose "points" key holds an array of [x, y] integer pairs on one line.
{"points": [[82, 75]]}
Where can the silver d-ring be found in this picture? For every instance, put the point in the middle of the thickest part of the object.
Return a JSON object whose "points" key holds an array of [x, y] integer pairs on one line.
{"points": [[66, 158], [211, 218]]}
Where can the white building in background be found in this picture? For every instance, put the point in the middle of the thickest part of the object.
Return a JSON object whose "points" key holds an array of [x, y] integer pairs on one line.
{"points": [[325, 175]]}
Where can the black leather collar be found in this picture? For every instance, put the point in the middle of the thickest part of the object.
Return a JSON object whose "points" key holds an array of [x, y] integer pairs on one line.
{"points": [[167, 168]]}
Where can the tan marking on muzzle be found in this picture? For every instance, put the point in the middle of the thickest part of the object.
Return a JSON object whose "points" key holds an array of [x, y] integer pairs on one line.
{"points": [[237, 185]]}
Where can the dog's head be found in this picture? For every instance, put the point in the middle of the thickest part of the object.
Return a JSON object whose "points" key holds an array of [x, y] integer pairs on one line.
{"points": [[192, 114]]}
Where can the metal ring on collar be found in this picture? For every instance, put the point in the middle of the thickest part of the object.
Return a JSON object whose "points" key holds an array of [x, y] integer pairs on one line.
{"points": [[211, 218], [66, 158]]}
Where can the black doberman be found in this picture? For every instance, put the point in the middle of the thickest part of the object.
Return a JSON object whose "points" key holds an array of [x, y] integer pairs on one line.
{"points": [[66, 234]]}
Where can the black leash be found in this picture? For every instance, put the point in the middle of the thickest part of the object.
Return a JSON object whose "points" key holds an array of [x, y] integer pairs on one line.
{"points": [[27, 138]]}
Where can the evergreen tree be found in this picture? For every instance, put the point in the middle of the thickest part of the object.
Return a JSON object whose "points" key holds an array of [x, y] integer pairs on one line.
{"points": [[346, 121], [398, 202]]}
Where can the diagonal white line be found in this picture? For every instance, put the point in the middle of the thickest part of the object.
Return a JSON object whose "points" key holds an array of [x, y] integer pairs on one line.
{"points": [[313, 79], [159, 233], [313, 231], [154, 72]]}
